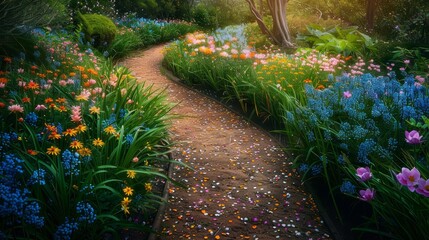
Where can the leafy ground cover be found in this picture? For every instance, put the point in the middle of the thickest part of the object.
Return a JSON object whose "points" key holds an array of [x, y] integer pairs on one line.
{"points": [[83, 145], [357, 125]]}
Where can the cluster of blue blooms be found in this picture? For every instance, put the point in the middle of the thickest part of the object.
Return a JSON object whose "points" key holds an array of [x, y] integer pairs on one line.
{"points": [[15, 203], [70, 163], [359, 111]]}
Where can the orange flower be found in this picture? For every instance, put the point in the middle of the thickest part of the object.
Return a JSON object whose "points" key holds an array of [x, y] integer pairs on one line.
{"points": [[51, 128], [3, 80], [60, 100], [70, 132], [54, 135], [32, 152], [80, 68], [98, 142], [320, 87], [307, 80], [131, 174], [126, 201], [128, 191], [72, 74], [53, 151], [26, 100], [84, 152], [49, 100], [7, 60], [32, 85], [61, 108], [2, 105], [76, 144], [110, 129], [81, 128]]}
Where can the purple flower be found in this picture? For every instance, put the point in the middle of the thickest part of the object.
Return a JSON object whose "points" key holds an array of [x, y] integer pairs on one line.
{"points": [[367, 195], [409, 178], [413, 137], [347, 94], [423, 187], [364, 173]]}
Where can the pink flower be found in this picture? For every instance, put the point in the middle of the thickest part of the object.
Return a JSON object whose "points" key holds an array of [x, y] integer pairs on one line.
{"points": [[367, 195], [407, 61], [364, 173], [76, 114], [15, 108], [423, 187], [413, 137], [409, 178], [347, 94], [40, 107]]}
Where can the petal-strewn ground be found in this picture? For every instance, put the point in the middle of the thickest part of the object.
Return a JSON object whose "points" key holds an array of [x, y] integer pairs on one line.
{"points": [[240, 184]]}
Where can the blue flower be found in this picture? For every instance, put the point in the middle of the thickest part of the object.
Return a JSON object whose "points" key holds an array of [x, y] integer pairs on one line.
{"points": [[86, 212], [129, 139], [31, 215], [348, 188], [10, 167], [31, 118], [38, 177], [316, 169], [303, 167], [70, 163], [366, 148], [65, 230]]}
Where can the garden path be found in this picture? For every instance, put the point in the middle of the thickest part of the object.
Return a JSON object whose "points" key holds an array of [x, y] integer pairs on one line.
{"points": [[240, 184]]}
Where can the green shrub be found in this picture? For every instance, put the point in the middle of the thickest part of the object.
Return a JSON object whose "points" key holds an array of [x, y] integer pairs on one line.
{"points": [[98, 29], [346, 41], [124, 43], [204, 16]]}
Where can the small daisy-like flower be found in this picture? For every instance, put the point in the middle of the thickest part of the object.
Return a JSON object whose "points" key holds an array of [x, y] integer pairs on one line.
{"points": [[148, 187], [128, 191], [126, 209], [49, 100], [81, 128], [60, 100], [126, 201], [32, 85], [131, 174], [53, 151], [76, 144], [94, 110], [54, 135], [98, 142], [70, 132], [84, 152], [110, 130]]}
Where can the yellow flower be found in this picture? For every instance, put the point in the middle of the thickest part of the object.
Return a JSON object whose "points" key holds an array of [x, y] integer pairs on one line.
{"points": [[110, 129], [125, 202], [131, 174], [76, 144], [70, 132], [128, 191], [148, 187], [84, 152], [126, 209], [98, 142], [94, 110], [81, 128], [53, 151]]}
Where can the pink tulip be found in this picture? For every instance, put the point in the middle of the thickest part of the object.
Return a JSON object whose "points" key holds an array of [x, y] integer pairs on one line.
{"points": [[409, 178]]}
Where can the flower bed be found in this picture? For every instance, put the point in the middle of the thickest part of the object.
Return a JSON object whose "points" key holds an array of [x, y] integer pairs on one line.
{"points": [[82, 144], [360, 131]]}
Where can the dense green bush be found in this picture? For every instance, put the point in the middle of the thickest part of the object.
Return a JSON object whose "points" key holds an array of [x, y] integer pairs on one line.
{"points": [[204, 16], [98, 29]]}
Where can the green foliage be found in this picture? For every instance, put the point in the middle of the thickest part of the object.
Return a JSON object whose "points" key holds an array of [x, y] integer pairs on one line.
{"points": [[346, 41], [98, 29], [124, 43], [204, 16]]}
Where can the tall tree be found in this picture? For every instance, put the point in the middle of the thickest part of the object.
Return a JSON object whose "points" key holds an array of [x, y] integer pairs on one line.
{"points": [[279, 34]]}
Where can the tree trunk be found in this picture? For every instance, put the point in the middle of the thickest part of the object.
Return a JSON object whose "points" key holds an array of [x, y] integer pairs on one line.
{"points": [[370, 13], [280, 34]]}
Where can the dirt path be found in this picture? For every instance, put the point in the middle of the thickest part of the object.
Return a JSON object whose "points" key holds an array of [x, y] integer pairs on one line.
{"points": [[241, 185]]}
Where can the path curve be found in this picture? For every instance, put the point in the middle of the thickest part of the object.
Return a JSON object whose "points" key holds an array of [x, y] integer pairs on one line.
{"points": [[241, 186]]}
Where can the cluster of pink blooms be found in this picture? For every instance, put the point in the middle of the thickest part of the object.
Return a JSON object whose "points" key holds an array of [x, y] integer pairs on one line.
{"points": [[76, 114], [412, 180], [364, 174]]}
